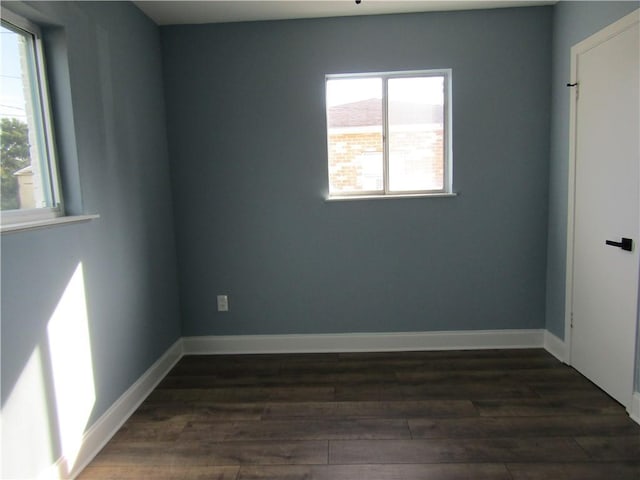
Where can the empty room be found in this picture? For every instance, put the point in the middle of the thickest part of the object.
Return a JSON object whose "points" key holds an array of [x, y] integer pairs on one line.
{"points": [[329, 240]]}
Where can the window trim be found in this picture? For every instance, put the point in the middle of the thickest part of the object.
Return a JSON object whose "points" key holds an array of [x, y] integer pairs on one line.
{"points": [[45, 223], [26, 216], [386, 192]]}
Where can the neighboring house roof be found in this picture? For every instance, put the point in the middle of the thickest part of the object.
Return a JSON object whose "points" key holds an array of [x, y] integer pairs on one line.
{"points": [[28, 170], [369, 112]]}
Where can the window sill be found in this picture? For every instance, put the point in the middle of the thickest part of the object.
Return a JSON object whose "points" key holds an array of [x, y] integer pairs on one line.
{"points": [[340, 198], [46, 223]]}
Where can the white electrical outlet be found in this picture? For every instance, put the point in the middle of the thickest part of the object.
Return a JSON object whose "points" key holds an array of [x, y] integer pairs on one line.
{"points": [[223, 303]]}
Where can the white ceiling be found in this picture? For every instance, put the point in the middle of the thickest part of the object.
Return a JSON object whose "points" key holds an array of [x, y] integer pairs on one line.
{"points": [[168, 12]]}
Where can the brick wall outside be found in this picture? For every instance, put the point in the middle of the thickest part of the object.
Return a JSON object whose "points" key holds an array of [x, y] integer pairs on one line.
{"points": [[345, 149], [416, 159]]}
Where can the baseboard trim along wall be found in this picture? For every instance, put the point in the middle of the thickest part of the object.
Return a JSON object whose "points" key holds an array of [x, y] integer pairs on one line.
{"points": [[97, 436], [363, 342], [555, 346], [635, 408]]}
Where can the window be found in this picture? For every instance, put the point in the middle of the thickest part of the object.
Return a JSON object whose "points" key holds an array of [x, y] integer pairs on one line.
{"points": [[29, 190], [389, 134]]}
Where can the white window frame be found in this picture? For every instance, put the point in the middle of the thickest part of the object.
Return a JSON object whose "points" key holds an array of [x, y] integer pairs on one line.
{"points": [[447, 189], [27, 216]]}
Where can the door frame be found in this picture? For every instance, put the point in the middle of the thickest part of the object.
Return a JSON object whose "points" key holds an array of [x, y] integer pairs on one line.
{"points": [[594, 40]]}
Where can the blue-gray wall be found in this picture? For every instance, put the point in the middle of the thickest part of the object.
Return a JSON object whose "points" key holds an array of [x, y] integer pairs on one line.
{"points": [[247, 141], [105, 61]]}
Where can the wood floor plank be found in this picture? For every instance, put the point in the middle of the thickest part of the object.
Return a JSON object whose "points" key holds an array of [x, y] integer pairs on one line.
{"points": [[118, 453], [568, 391], [527, 376], [160, 431], [214, 411], [205, 411], [280, 380], [608, 449], [374, 409], [306, 393], [505, 363], [529, 407], [372, 391], [484, 427], [468, 390], [163, 472], [211, 453], [487, 471], [221, 365], [548, 449], [253, 453], [200, 396], [148, 412], [575, 471], [323, 429]]}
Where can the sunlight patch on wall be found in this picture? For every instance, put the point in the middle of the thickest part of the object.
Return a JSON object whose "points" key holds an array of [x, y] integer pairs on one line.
{"points": [[71, 366]]}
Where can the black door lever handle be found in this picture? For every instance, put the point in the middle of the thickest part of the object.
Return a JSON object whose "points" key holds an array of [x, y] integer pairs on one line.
{"points": [[625, 244]]}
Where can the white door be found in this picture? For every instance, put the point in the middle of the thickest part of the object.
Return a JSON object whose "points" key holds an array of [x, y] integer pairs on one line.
{"points": [[606, 207]]}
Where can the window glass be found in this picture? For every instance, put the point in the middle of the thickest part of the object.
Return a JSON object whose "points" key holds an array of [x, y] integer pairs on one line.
{"points": [[27, 165], [355, 117], [416, 134]]}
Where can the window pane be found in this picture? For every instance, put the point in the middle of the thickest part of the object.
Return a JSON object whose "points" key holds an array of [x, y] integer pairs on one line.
{"points": [[416, 133], [354, 117], [23, 151]]}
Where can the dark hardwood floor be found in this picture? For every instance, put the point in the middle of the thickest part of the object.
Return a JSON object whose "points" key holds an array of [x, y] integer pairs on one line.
{"points": [[487, 414]]}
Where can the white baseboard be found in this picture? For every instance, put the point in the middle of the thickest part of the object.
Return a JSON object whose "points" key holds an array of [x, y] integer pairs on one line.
{"points": [[554, 346], [110, 422], [635, 408], [363, 342]]}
